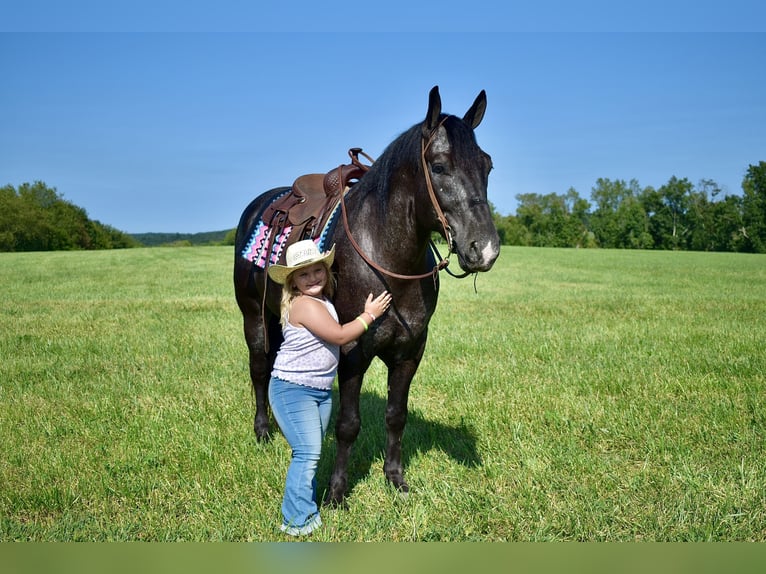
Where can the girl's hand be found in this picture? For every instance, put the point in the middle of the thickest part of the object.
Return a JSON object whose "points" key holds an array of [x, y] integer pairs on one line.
{"points": [[376, 307]]}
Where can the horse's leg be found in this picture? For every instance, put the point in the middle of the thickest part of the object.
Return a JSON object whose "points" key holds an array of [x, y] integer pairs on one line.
{"points": [[260, 379], [260, 367], [399, 379], [400, 375], [346, 430]]}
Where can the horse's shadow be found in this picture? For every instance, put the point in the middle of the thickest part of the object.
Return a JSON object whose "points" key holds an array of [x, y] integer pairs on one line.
{"points": [[421, 435]]}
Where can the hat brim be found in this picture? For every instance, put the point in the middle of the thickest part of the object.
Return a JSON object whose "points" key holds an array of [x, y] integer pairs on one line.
{"points": [[279, 273]]}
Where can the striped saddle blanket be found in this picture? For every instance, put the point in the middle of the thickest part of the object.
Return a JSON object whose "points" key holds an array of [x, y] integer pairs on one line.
{"points": [[262, 251]]}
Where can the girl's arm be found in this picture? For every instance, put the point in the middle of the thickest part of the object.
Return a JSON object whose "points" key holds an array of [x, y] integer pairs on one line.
{"points": [[313, 315]]}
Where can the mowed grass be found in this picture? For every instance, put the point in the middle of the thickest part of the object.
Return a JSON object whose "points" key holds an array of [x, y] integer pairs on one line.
{"points": [[578, 395]]}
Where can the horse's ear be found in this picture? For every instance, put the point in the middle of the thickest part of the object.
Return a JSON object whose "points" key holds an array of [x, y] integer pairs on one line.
{"points": [[475, 113], [434, 109]]}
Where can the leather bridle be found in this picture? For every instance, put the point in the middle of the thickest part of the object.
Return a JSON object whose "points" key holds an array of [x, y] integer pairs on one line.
{"points": [[443, 262]]}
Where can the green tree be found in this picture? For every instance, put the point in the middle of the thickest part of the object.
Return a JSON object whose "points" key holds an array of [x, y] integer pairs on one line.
{"points": [[657, 214], [632, 224], [554, 220], [513, 232], [700, 216], [667, 209], [754, 208], [36, 218], [510, 231], [541, 215], [232, 234], [676, 196], [9, 218], [615, 223], [530, 216], [728, 232], [578, 229]]}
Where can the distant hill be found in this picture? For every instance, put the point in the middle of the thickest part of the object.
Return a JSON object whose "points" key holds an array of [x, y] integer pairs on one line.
{"points": [[203, 238]]}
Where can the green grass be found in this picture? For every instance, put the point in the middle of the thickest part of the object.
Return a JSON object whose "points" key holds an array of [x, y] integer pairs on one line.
{"points": [[579, 395]]}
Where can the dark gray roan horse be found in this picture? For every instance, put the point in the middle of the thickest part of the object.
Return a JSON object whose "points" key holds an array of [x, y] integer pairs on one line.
{"points": [[432, 178]]}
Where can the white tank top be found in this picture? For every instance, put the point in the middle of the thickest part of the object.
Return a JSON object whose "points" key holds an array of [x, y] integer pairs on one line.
{"points": [[304, 358]]}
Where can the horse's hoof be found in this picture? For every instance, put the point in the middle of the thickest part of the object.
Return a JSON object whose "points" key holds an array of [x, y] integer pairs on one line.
{"points": [[335, 500], [262, 434], [396, 479], [335, 497], [402, 489], [263, 438]]}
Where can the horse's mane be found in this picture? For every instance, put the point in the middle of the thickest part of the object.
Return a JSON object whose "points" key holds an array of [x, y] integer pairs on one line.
{"points": [[404, 152]]}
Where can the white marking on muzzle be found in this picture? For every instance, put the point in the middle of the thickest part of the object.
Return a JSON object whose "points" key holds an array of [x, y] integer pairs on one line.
{"points": [[488, 252]]}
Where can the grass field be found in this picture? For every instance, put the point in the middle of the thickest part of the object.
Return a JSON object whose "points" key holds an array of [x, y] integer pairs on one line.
{"points": [[579, 395]]}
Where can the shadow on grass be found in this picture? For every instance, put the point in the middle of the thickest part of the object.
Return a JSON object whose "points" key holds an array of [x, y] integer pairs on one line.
{"points": [[420, 435]]}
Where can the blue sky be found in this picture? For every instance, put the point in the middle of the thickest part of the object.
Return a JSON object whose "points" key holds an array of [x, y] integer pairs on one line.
{"points": [[155, 124]]}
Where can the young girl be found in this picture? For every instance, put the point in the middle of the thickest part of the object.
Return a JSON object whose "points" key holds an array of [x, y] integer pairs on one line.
{"points": [[300, 390]]}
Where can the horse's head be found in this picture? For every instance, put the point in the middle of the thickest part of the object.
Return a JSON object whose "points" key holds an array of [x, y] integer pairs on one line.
{"points": [[457, 170]]}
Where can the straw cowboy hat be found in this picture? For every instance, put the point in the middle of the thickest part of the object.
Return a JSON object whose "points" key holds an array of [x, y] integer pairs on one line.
{"points": [[300, 254]]}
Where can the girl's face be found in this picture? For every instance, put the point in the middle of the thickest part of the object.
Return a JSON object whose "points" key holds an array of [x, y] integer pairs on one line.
{"points": [[311, 280]]}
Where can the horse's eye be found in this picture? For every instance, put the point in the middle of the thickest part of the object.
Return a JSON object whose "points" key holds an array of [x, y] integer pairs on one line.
{"points": [[437, 168]]}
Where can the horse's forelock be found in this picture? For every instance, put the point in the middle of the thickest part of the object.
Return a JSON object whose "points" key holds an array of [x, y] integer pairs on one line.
{"points": [[406, 148], [465, 151]]}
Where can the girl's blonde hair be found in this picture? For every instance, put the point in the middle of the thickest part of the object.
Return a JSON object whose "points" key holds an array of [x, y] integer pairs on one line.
{"points": [[290, 293]]}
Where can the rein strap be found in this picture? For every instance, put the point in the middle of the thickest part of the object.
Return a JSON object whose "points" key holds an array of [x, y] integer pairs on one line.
{"points": [[444, 262]]}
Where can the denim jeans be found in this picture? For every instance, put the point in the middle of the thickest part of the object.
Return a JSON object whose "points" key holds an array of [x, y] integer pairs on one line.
{"points": [[303, 415]]}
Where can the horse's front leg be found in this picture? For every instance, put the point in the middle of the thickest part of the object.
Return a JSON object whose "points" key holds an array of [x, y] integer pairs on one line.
{"points": [[399, 378], [346, 430]]}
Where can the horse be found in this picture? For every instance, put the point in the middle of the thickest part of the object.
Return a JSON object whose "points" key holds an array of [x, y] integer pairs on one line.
{"points": [[431, 178]]}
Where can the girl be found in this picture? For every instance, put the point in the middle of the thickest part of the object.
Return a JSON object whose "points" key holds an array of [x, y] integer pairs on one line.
{"points": [[300, 390]]}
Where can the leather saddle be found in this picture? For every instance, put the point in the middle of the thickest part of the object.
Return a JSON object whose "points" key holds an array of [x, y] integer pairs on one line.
{"points": [[312, 199]]}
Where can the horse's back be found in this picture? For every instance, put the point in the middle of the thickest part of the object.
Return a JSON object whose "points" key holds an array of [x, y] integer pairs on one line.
{"points": [[251, 214], [246, 289]]}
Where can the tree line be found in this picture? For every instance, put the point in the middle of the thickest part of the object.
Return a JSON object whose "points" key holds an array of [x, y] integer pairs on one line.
{"points": [[619, 215], [161, 239], [35, 217], [622, 215]]}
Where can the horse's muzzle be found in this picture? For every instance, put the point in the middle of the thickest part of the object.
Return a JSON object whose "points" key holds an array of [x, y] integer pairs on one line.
{"points": [[479, 256]]}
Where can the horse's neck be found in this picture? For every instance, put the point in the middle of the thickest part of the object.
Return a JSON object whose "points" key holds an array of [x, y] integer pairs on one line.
{"points": [[390, 228]]}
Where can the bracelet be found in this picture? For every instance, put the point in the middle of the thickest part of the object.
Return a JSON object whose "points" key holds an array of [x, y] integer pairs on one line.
{"points": [[371, 315], [366, 326]]}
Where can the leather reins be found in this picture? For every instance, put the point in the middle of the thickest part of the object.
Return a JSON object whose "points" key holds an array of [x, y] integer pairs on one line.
{"points": [[444, 262]]}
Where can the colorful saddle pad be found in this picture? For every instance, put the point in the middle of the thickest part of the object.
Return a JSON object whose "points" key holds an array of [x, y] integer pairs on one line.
{"points": [[257, 248]]}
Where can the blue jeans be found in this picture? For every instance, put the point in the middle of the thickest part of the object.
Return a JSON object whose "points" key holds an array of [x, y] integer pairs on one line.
{"points": [[303, 415]]}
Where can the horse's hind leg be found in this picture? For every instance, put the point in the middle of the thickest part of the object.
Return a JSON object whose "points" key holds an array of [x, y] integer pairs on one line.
{"points": [[260, 366], [260, 379]]}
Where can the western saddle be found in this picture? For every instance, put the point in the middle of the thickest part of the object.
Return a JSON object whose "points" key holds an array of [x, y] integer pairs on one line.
{"points": [[312, 199]]}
